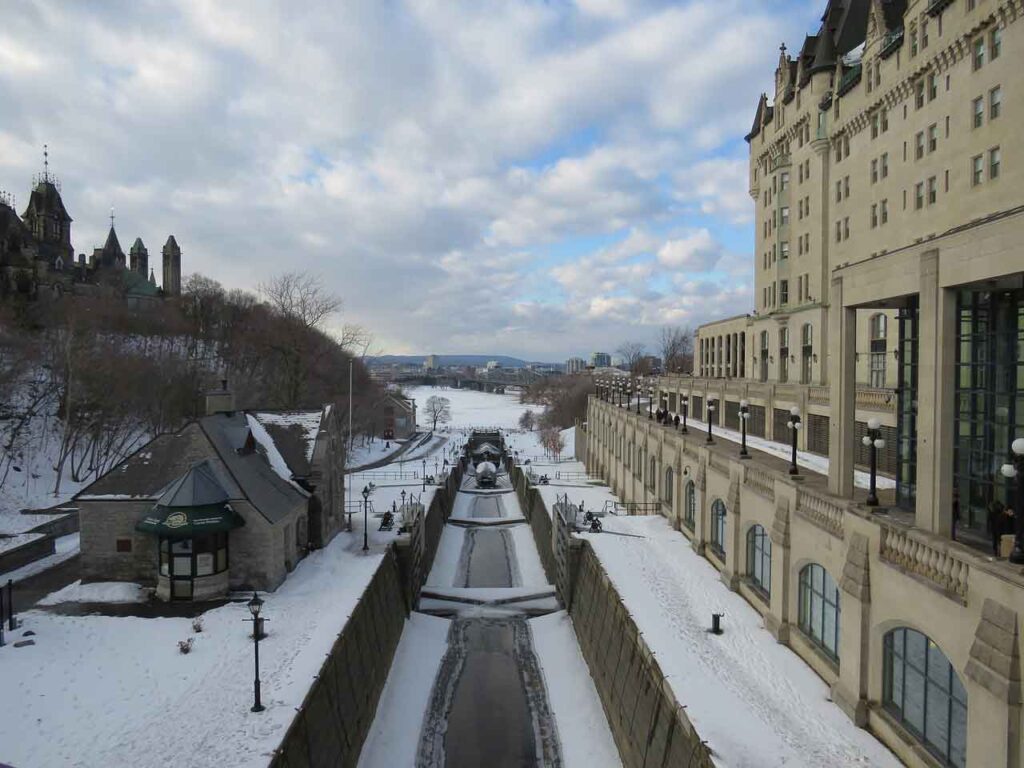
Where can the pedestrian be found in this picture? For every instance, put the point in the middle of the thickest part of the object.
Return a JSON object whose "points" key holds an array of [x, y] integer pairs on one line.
{"points": [[1000, 521], [676, 421], [956, 510]]}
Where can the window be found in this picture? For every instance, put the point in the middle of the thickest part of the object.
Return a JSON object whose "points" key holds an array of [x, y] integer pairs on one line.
{"points": [[993, 163], [923, 692], [885, 165], [933, 189], [878, 330], [764, 356], [759, 559], [995, 43], [978, 109], [784, 290], [819, 609], [784, 211], [839, 191], [783, 355], [783, 181], [846, 186], [933, 137], [839, 231], [807, 343], [885, 120], [652, 473], [884, 211], [924, 32], [718, 527], [690, 505], [784, 250], [933, 87], [919, 145], [979, 53], [977, 170], [995, 102], [124, 545], [666, 491], [919, 196], [874, 171], [919, 94], [913, 40], [846, 228]]}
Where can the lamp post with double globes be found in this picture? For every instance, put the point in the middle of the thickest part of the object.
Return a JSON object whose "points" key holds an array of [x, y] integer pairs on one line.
{"points": [[650, 402], [873, 440], [255, 604], [711, 416], [366, 518], [685, 402], [744, 415], [1015, 469], [794, 427], [638, 386]]}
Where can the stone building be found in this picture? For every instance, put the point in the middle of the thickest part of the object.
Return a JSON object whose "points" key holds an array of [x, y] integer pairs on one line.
{"points": [[37, 259], [889, 284], [231, 501]]}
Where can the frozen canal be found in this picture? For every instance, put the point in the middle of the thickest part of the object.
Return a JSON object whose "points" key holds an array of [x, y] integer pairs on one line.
{"points": [[488, 672]]}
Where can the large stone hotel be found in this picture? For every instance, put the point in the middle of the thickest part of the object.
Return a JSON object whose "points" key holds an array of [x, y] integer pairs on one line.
{"points": [[887, 172]]}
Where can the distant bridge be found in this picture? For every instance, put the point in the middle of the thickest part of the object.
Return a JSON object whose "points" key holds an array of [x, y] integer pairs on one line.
{"points": [[498, 381]]}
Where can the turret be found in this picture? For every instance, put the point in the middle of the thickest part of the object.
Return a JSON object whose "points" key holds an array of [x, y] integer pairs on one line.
{"points": [[139, 257], [172, 267]]}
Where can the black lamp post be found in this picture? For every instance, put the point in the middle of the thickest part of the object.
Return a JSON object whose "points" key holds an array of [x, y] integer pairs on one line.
{"points": [[744, 415], [686, 407], [1011, 470], [618, 395], [638, 388], [255, 604], [711, 416], [424, 474], [873, 440], [650, 403], [366, 518], [794, 427]]}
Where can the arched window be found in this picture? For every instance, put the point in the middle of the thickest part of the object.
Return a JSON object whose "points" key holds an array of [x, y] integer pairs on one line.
{"points": [[921, 689], [629, 455], [878, 330], [806, 352], [666, 491], [759, 559], [819, 608], [718, 513], [638, 468], [652, 473], [690, 505]]}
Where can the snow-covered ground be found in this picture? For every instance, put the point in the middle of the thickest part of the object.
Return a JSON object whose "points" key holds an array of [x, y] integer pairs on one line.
{"points": [[98, 690], [64, 548], [752, 699], [470, 408], [371, 452], [97, 592]]}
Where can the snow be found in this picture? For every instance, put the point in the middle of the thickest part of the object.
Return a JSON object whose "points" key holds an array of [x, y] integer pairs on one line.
{"points": [[97, 592], [7, 543], [307, 421], [531, 570], [583, 730], [394, 737], [805, 459], [446, 560], [65, 547], [470, 408], [371, 452], [99, 690], [742, 676], [274, 457]]}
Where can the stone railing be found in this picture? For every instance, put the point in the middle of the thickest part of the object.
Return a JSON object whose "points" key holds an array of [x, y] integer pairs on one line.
{"points": [[719, 463], [912, 553], [823, 513], [868, 398], [871, 399], [760, 481], [818, 395]]}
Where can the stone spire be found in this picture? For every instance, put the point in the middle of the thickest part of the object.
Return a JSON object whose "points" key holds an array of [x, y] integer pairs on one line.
{"points": [[172, 267]]}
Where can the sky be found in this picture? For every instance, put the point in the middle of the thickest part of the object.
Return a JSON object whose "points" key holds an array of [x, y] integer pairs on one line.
{"points": [[541, 179]]}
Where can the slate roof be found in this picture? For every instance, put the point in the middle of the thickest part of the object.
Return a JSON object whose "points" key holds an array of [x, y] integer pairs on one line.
{"points": [[294, 434], [45, 198], [199, 487]]}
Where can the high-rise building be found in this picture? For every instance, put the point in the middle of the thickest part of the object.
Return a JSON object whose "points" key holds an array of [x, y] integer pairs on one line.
{"points": [[601, 360], [575, 365]]}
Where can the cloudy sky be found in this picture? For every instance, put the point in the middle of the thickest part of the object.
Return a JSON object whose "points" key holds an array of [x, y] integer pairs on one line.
{"points": [[527, 177]]}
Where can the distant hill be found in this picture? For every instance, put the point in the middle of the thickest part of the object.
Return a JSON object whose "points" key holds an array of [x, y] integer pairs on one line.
{"points": [[452, 360]]}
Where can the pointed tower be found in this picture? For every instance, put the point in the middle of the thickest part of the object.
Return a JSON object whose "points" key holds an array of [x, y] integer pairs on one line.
{"points": [[152, 277], [172, 267], [47, 219], [110, 256], [139, 257]]}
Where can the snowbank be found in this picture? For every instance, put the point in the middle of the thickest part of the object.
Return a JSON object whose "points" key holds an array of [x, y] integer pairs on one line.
{"points": [[98, 592]]}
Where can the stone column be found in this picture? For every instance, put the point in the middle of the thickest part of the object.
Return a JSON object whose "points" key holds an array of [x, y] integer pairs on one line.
{"points": [[734, 540], [776, 620], [936, 387], [702, 511], [850, 691], [993, 683], [843, 375]]}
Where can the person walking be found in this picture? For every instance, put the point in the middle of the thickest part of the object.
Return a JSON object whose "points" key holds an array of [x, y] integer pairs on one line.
{"points": [[1000, 522]]}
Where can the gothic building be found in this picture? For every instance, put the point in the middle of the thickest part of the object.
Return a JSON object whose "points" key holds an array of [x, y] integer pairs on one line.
{"points": [[37, 258]]}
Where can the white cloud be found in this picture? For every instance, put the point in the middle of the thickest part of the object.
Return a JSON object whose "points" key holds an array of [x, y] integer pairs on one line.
{"points": [[698, 252]]}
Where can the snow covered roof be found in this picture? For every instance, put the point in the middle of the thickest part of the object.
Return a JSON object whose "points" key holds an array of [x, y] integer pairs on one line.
{"points": [[294, 435]]}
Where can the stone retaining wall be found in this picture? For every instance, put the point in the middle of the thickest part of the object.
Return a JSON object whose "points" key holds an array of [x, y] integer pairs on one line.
{"points": [[27, 553], [540, 520], [331, 725]]}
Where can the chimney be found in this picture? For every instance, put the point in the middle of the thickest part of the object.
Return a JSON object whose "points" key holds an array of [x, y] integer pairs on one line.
{"points": [[220, 400]]}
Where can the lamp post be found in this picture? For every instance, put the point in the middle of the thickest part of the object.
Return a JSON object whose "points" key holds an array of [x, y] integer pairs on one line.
{"points": [[686, 407], [650, 403], [1011, 470], [255, 604], [618, 395], [638, 387], [366, 518], [424, 475], [744, 415], [794, 427], [873, 440], [711, 416]]}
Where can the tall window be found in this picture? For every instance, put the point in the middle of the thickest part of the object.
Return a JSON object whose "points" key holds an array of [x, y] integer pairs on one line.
{"points": [[807, 352], [783, 355], [666, 491], [764, 355], [878, 329], [690, 505], [652, 469], [819, 608], [718, 527], [759, 559], [921, 689]]}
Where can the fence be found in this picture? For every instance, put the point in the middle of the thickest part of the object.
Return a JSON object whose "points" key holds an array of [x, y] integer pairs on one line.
{"points": [[650, 727], [331, 725]]}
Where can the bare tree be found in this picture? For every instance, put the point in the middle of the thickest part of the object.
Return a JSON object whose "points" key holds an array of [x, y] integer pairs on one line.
{"points": [[632, 354], [676, 345], [438, 410], [553, 442], [527, 421], [301, 297]]}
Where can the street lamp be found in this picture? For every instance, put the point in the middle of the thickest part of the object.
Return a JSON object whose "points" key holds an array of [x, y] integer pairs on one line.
{"points": [[794, 427], [255, 604], [711, 416], [685, 402], [650, 402], [744, 415], [1011, 470], [618, 395], [638, 386], [873, 440], [366, 519], [424, 475]]}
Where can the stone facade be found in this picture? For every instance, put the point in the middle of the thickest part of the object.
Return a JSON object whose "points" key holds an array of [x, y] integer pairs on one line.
{"points": [[889, 574]]}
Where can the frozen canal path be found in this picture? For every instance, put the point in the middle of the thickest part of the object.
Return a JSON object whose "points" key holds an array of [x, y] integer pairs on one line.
{"points": [[488, 672]]}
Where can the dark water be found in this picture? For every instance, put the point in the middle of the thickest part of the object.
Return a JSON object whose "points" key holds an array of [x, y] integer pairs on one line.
{"points": [[486, 506]]}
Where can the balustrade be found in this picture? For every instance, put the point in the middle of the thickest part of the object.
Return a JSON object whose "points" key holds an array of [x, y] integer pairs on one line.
{"points": [[937, 564]]}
